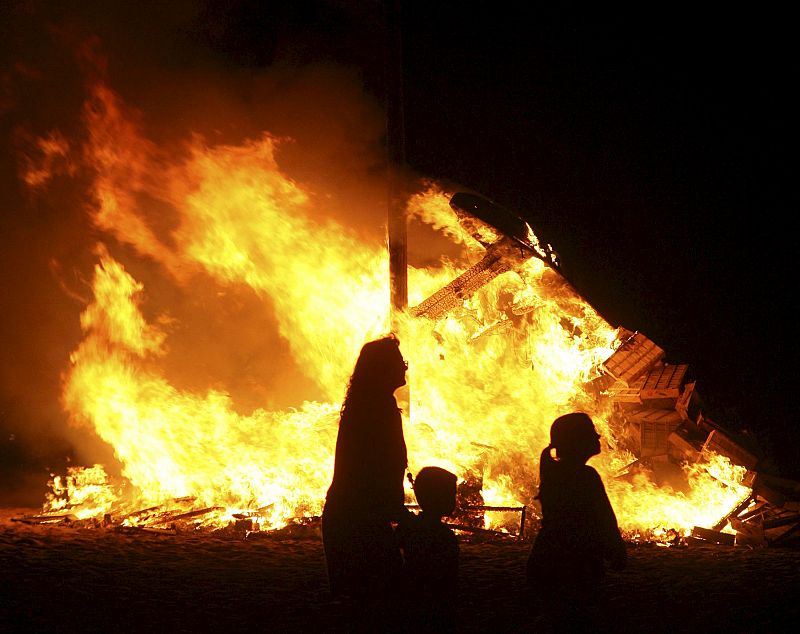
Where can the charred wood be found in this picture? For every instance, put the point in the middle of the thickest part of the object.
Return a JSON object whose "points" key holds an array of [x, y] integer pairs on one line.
{"points": [[735, 512], [185, 515], [792, 534], [133, 530], [759, 509], [708, 536], [500, 257], [781, 521], [46, 519], [481, 531]]}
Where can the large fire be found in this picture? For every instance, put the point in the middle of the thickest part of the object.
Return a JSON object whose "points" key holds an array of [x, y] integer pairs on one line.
{"points": [[485, 380]]}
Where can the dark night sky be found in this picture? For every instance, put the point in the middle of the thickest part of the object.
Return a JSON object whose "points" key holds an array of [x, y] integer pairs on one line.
{"points": [[653, 150]]}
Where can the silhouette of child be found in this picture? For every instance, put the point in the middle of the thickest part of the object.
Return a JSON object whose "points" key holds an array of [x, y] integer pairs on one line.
{"points": [[579, 535], [431, 552]]}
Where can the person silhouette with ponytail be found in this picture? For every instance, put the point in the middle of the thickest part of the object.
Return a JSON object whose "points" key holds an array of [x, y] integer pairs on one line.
{"points": [[579, 535]]}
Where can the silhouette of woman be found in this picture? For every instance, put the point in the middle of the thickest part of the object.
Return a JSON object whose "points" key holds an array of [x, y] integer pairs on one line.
{"points": [[366, 494], [579, 533]]}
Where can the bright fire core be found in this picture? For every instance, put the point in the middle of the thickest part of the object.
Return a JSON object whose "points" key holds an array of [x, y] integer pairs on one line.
{"points": [[485, 381]]}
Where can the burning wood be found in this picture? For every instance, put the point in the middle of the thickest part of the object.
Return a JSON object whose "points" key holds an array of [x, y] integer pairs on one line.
{"points": [[722, 443], [45, 519], [133, 530], [500, 257], [758, 521], [522, 510], [525, 321], [506, 238], [142, 512], [635, 356], [483, 531], [735, 512], [481, 511], [174, 517], [708, 536], [661, 412]]}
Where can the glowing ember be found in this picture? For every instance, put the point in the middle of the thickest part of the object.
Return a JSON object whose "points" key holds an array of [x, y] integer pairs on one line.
{"points": [[486, 379]]}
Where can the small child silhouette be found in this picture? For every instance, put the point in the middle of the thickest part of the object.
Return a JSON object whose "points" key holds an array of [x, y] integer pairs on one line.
{"points": [[431, 552], [579, 533]]}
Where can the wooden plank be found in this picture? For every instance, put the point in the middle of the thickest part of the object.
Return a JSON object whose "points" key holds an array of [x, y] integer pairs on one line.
{"points": [[634, 358], [184, 516], [688, 405], [759, 508], [683, 447], [501, 256], [793, 532], [667, 377], [663, 386], [721, 443], [480, 531], [753, 528], [46, 519], [621, 392], [735, 512], [655, 427], [133, 530], [784, 520], [709, 536]]}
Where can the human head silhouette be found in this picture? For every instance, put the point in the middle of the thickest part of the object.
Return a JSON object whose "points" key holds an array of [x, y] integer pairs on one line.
{"points": [[574, 437], [435, 490], [380, 366]]}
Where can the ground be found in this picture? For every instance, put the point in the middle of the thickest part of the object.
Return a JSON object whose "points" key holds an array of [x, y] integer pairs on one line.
{"points": [[61, 579]]}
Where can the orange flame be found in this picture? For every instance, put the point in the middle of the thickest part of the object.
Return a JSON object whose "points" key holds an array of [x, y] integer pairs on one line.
{"points": [[485, 381]]}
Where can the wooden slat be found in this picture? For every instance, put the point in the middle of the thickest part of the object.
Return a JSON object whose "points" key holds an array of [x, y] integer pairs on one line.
{"points": [[663, 385], [621, 392], [721, 443], [635, 357], [709, 536]]}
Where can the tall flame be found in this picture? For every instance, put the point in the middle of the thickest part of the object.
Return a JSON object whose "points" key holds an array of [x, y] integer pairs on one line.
{"points": [[485, 381]]}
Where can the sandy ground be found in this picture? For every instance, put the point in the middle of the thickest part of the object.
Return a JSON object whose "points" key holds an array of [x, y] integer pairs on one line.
{"points": [[62, 579]]}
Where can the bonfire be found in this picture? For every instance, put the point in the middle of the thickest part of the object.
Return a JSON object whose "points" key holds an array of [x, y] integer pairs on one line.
{"points": [[499, 344]]}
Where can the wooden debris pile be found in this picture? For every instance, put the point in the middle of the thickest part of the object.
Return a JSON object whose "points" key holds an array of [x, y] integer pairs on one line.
{"points": [[180, 515], [660, 417]]}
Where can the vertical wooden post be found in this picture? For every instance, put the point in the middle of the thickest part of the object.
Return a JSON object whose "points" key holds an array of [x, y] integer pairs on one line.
{"points": [[397, 223]]}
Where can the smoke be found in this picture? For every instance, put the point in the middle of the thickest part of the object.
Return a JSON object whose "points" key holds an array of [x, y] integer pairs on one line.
{"points": [[183, 70]]}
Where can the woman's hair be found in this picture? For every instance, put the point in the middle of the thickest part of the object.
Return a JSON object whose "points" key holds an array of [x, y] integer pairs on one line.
{"points": [[546, 468], [373, 370]]}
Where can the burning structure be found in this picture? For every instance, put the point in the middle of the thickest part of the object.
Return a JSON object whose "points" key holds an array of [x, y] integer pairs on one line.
{"points": [[499, 344]]}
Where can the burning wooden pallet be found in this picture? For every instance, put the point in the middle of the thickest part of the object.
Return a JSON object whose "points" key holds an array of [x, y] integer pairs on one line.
{"points": [[500, 257], [508, 245]]}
